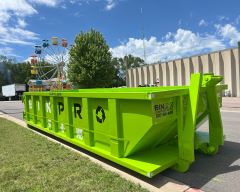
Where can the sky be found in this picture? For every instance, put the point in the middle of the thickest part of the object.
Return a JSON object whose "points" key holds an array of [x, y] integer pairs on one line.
{"points": [[164, 30]]}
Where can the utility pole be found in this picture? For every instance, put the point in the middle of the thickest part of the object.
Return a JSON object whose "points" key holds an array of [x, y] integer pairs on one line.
{"points": [[143, 36]]}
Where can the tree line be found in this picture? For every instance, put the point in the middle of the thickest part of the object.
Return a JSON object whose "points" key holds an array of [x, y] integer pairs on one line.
{"points": [[12, 72], [90, 64]]}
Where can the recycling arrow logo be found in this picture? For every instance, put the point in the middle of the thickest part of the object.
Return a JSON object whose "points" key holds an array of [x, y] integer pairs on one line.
{"points": [[100, 114]]}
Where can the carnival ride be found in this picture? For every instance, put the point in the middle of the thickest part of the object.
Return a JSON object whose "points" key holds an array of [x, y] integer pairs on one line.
{"points": [[49, 66]]}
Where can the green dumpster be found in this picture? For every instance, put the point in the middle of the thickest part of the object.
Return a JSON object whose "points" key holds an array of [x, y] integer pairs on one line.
{"points": [[145, 129]]}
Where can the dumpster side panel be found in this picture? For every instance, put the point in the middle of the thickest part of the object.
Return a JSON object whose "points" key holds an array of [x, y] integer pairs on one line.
{"points": [[39, 117], [140, 123], [82, 119], [29, 108], [163, 126], [47, 113], [78, 120], [60, 118], [145, 127], [164, 109], [100, 117], [136, 119]]}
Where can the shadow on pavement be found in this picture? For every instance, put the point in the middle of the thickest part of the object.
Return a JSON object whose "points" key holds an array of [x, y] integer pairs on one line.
{"points": [[206, 168]]}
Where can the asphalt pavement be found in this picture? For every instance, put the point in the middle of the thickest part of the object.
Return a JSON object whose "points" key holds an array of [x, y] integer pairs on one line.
{"points": [[13, 108], [218, 173]]}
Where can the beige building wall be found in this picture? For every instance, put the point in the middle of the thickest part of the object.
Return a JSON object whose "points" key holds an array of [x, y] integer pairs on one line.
{"points": [[178, 72]]}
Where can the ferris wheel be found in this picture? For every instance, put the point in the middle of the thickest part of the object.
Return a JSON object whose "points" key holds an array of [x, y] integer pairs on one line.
{"points": [[49, 63]]}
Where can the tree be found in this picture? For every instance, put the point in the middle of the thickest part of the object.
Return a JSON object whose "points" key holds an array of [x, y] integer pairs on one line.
{"points": [[4, 70], [5, 59], [12, 72], [121, 66], [119, 73], [90, 61], [2, 81], [131, 61], [20, 72]]}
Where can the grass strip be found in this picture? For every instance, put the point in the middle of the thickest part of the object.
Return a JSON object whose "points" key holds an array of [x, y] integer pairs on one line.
{"points": [[29, 162]]}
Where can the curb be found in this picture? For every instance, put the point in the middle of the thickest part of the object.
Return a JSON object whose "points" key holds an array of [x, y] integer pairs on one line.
{"points": [[163, 184]]}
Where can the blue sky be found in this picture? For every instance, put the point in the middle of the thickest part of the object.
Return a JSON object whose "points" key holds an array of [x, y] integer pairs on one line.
{"points": [[172, 29]]}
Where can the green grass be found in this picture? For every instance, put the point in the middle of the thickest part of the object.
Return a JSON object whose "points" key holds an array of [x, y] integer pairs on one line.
{"points": [[29, 162]]}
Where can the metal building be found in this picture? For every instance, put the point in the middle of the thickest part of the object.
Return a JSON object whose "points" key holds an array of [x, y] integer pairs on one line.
{"points": [[177, 72]]}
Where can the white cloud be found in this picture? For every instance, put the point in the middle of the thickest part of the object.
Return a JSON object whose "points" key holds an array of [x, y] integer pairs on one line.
{"points": [[168, 36], [4, 17], [14, 35], [17, 7], [12, 20], [64, 6], [21, 23], [13, 16], [229, 32], [110, 4], [223, 18], [50, 3], [202, 22], [42, 18], [179, 44], [6, 51], [79, 2], [237, 20]]}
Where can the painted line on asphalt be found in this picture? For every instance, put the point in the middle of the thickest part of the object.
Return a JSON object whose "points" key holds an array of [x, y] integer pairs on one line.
{"points": [[229, 111], [193, 190]]}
